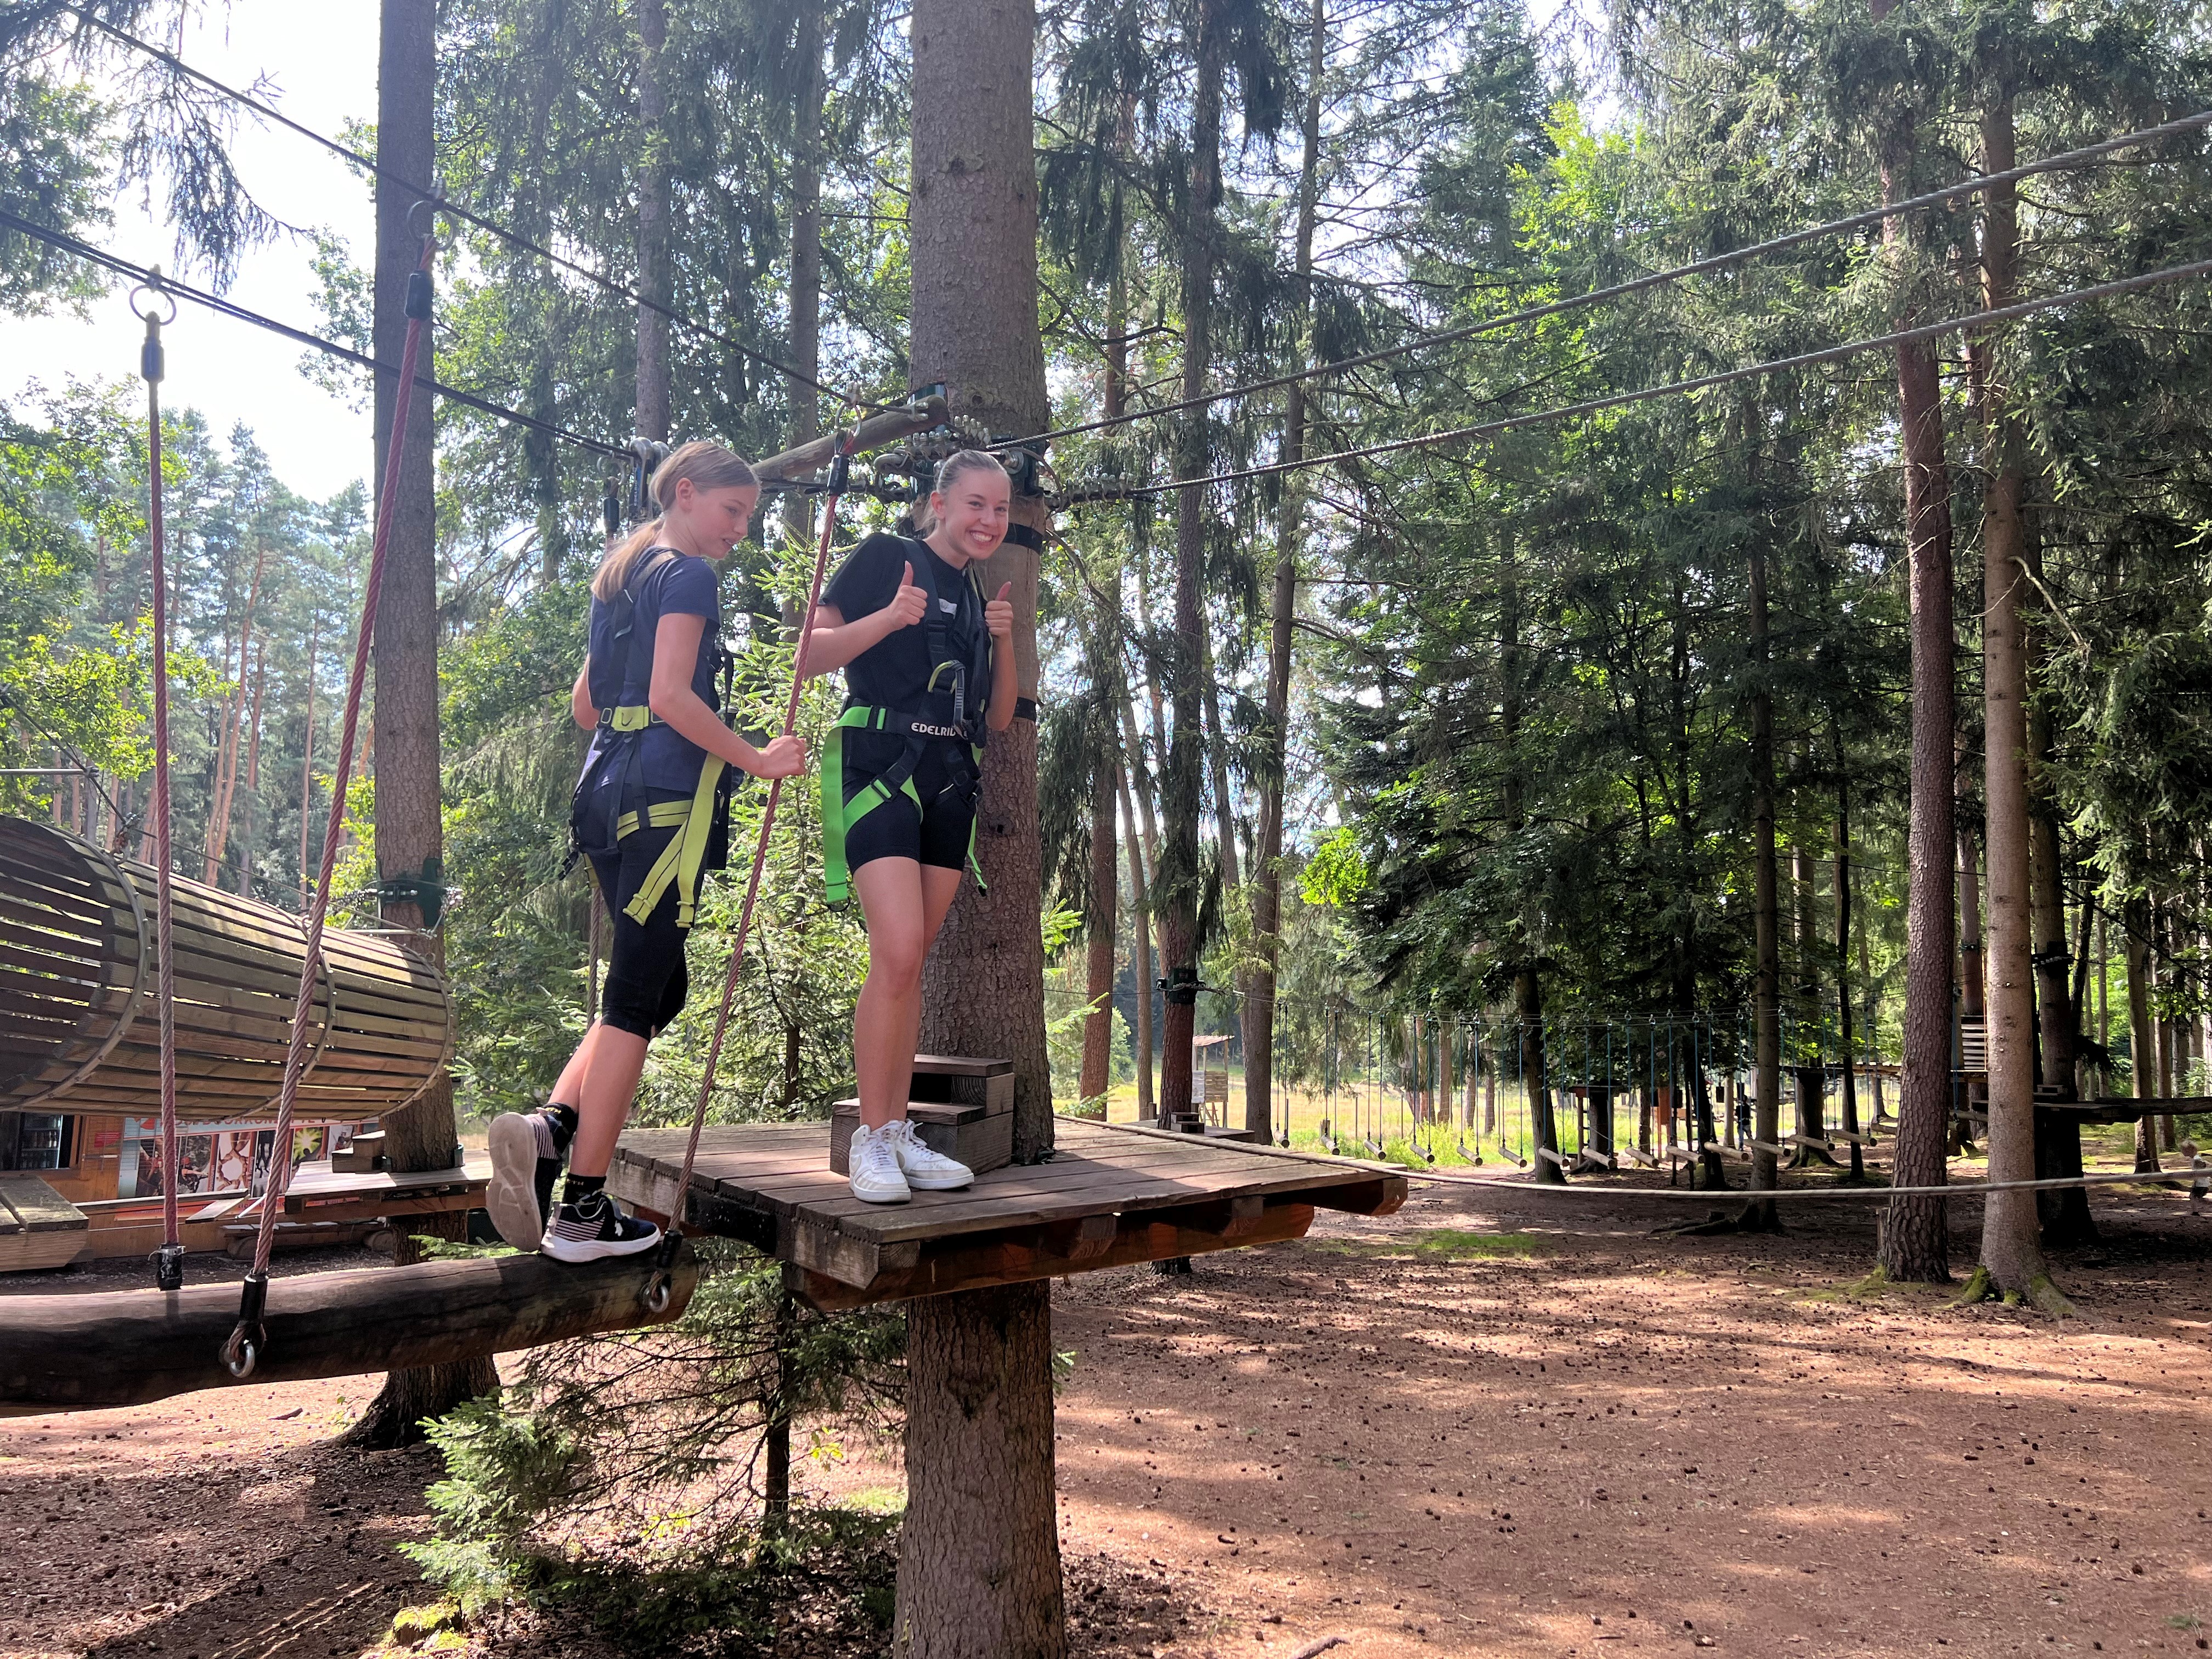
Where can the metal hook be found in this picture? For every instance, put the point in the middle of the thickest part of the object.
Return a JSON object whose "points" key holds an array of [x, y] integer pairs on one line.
{"points": [[154, 289], [657, 1292], [429, 208]]}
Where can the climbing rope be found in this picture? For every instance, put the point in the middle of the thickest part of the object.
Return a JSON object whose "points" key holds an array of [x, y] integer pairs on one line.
{"points": [[169, 1260], [242, 1349], [660, 1287]]}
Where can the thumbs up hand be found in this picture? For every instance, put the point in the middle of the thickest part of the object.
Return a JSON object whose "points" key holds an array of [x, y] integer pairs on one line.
{"points": [[999, 614], [909, 604]]}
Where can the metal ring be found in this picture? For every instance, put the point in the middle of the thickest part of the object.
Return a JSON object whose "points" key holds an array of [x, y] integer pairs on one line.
{"points": [[240, 1355], [154, 289], [429, 208], [658, 1291]]}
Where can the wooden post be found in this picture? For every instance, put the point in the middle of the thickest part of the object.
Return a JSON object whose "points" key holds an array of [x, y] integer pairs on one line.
{"points": [[979, 1560]]}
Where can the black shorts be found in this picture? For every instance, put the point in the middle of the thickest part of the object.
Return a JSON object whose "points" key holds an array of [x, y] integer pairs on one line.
{"points": [[646, 980], [939, 834]]}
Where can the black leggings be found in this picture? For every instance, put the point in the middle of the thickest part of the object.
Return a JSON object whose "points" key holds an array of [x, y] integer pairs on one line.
{"points": [[647, 980]]}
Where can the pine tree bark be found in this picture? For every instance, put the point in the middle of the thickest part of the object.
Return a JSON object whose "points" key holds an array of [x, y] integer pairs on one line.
{"points": [[1914, 1240], [1810, 1082], [806, 317], [978, 1559], [1175, 894], [2143, 1038], [1103, 924], [972, 227], [1845, 1036], [1528, 981], [1140, 931], [409, 836], [1766, 917], [654, 393], [2012, 1231], [1290, 528]]}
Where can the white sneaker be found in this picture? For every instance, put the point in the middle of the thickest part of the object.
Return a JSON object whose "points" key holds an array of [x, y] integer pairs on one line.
{"points": [[925, 1171], [875, 1168]]}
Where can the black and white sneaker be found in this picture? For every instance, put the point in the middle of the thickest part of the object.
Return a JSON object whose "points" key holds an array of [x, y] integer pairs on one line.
{"points": [[594, 1228], [527, 1151]]}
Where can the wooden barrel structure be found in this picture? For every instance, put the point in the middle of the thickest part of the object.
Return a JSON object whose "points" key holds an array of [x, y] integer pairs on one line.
{"points": [[80, 1013]]}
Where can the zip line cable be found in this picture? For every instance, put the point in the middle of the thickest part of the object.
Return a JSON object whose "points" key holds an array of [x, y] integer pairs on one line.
{"points": [[1700, 383], [2063, 161], [146, 276], [445, 204]]}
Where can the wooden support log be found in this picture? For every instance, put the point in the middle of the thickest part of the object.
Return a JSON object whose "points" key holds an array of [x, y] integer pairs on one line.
{"points": [[1733, 1153], [968, 1262], [127, 1347], [874, 433]]}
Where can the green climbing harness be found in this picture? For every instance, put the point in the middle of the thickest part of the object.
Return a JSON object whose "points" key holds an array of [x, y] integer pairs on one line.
{"points": [[965, 735]]}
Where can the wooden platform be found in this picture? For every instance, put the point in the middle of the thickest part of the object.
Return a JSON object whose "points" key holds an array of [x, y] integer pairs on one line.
{"points": [[1110, 1196], [39, 1228]]}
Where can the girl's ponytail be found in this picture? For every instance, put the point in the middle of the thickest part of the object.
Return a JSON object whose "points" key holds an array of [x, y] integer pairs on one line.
{"points": [[709, 466]]}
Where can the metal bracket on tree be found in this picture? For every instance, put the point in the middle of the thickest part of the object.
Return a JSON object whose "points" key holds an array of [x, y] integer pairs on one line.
{"points": [[426, 892]]}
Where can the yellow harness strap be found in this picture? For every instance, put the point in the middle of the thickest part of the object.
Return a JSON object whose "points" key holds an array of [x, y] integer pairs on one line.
{"points": [[680, 860]]}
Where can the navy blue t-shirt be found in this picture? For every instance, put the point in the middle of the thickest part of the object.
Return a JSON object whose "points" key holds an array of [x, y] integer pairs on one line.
{"points": [[682, 585]]}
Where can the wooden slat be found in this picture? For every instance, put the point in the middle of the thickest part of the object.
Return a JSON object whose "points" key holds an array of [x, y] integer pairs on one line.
{"points": [[972, 1264]]}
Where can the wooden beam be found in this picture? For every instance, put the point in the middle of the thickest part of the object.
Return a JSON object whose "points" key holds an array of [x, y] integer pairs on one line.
{"points": [[972, 1263], [127, 1347]]}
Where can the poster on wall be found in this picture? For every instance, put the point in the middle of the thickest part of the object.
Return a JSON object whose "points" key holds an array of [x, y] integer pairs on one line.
{"points": [[214, 1160]]}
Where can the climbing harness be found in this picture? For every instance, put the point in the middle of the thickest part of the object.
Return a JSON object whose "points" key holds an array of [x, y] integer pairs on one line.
{"points": [[241, 1349], [962, 736], [599, 816], [169, 1259], [661, 1285]]}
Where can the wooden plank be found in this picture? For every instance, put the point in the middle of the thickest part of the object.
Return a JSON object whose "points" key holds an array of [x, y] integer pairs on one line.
{"points": [[37, 1207], [975, 1263], [960, 1066]]}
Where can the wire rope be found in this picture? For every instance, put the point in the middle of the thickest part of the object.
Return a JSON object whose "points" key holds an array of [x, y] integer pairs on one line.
{"points": [[148, 277], [438, 198], [242, 1349], [2063, 161], [1698, 383]]}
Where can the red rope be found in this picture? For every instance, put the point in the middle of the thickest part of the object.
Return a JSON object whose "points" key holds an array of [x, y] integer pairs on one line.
{"points": [[280, 1162], [149, 365], [760, 856]]}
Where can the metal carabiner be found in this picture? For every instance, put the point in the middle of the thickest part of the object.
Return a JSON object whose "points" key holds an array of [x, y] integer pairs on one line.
{"points": [[427, 211]]}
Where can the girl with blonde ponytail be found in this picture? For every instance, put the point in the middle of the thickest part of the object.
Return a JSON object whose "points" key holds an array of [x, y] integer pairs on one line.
{"points": [[649, 814]]}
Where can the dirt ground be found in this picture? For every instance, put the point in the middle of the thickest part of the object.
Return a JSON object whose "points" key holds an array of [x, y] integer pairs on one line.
{"points": [[1490, 1424]]}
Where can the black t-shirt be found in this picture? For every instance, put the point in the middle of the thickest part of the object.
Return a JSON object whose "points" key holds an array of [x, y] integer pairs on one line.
{"points": [[894, 673]]}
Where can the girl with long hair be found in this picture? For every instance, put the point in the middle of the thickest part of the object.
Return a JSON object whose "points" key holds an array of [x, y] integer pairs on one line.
{"points": [[650, 815], [929, 668]]}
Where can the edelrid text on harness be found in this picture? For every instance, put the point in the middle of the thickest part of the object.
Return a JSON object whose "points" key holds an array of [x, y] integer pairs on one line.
{"points": [[600, 816], [963, 734]]}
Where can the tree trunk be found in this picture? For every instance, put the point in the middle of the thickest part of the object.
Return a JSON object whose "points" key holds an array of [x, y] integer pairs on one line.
{"points": [[1528, 982], [1144, 864], [1289, 530], [1102, 925], [409, 842], [1973, 980], [1845, 1040], [1176, 894], [2012, 1231], [979, 1555], [654, 395], [806, 325], [973, 228], [1810, 1083], [2143, 1040], [1141, 930], [1915, 1241], [1765, 915], [253, 775]]}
